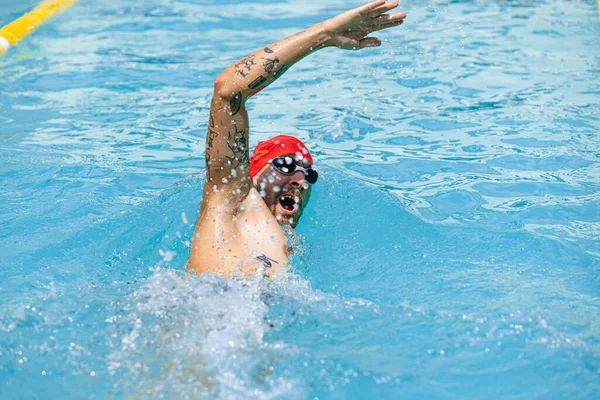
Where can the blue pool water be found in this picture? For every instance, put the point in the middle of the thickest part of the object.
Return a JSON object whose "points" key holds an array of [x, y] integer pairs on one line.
{"points": [[451, 249]]}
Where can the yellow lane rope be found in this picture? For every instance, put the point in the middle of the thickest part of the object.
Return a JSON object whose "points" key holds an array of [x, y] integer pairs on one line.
{"points": [[12, 33]]}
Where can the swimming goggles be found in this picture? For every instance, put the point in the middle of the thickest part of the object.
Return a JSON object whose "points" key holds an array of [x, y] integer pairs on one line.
{"points": [[287, 166]]}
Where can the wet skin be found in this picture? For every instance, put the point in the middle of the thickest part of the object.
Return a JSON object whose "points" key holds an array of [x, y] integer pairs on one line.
{"points": [[240, 221], [241, 238]]}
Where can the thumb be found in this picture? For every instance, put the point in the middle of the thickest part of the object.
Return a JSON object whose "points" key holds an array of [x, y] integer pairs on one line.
{"points": [[369, 42], [348, 44]]}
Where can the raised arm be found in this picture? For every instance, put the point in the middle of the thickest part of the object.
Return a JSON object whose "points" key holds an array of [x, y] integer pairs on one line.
{"points": [[227, 152]]}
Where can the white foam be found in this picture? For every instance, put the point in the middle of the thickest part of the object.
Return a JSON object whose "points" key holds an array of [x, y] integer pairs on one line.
{"points": [[200, 336]]}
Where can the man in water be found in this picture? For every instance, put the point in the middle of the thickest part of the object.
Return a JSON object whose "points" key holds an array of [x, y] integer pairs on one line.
{"points": [[247, 199]]}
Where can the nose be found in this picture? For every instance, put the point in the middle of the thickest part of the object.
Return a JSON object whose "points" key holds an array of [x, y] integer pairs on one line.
{"points": [[298, 179]]}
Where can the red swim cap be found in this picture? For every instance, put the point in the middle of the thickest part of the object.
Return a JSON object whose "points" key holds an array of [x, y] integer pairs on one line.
{"points": [[274, 147]]}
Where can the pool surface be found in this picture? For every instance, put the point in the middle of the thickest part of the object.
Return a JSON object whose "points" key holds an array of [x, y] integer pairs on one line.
{"points": [[451, 249]]}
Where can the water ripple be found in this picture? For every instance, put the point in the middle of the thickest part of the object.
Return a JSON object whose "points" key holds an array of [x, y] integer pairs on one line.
{"points": [[479, 118]]}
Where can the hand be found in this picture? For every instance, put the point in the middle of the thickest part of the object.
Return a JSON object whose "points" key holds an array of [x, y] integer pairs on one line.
{"points": [[349, 30]]}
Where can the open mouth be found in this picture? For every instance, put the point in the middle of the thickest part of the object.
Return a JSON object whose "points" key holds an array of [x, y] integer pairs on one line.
{"points": [[289, 204]]}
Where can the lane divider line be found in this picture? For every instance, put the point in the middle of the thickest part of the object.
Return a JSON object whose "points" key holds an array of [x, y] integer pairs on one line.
{"points": [[14, 32]]}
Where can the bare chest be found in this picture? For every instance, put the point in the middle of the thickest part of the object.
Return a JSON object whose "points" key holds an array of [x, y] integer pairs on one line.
{"points": [[261, 234], [247, 240]]}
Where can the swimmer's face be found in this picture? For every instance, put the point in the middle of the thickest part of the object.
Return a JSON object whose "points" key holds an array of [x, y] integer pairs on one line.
{"points": [[285, 195]]}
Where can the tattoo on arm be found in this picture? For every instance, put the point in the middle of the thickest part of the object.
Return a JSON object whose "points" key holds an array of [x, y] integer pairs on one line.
{"points": [[235, 103], [211, 136], [268, 50], [257, 82], [208, 159], [238, 144], [280, 71], [268, 262], [243, 67], [270, 64]]}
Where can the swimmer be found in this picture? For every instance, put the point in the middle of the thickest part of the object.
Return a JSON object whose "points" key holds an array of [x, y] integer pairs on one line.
{"points": [[248, 199]]}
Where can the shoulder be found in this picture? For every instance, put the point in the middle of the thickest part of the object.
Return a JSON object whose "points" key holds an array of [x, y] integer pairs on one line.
{"points": [[228, 201]]}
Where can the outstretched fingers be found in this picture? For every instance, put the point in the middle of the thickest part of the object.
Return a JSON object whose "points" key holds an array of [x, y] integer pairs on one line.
{"points": [[388, 21], [387, 18], [349, 29], [382, 9], [386, 26], [367, 8]]}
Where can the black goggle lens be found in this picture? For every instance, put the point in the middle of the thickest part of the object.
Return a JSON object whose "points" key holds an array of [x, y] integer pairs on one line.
{"points": [[287, 166], [311, 176], [281, 163]]}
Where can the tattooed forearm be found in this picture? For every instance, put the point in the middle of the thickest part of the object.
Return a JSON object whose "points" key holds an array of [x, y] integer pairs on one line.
{"points": [[257, 82], [272, 61], [243, 67], [280, 71], [235, 103], [270, 64]]}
